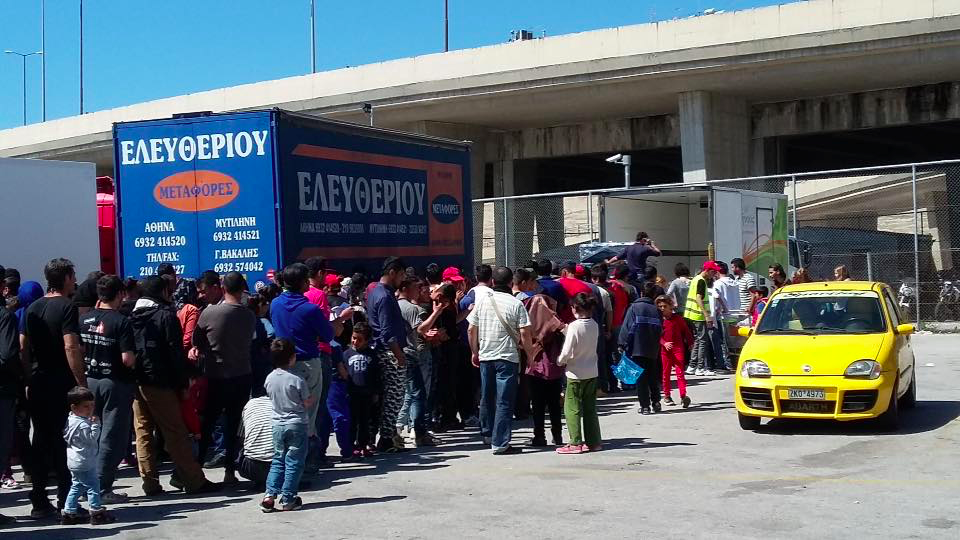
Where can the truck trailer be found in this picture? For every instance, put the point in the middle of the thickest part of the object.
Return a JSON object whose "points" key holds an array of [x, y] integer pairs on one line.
{"points": [[51, 211], [254, 191]]}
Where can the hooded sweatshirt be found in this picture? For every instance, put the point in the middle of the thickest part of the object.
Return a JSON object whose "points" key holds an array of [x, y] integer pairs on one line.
{"points": [[303, 323], [82, 436], [159, 345], [641, 330], [29, 293]]}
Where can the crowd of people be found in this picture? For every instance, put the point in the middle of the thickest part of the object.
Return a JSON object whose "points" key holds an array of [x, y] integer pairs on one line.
{"points": [[206, 373]]}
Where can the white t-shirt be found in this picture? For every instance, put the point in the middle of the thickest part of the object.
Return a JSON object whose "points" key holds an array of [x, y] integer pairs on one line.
{"points": [[579, 352], [726, 289], [495, 340]]}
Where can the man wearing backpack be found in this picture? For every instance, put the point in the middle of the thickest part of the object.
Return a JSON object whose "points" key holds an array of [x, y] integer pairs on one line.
{"points": [[161, 376]]}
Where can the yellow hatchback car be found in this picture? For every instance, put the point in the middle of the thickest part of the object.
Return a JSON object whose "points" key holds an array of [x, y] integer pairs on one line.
{"points": [[832, 350]]}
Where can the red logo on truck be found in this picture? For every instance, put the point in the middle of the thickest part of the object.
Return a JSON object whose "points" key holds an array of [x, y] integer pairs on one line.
{"points": [[196, 191]]}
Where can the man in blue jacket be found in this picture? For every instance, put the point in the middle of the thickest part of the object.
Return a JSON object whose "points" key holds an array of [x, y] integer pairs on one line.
{"points": [[303, 323], [640, 340]]}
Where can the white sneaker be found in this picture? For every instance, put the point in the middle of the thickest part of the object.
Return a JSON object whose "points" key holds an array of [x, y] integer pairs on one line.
{"points": [[691, 370], [708, 373], [698, 372]]}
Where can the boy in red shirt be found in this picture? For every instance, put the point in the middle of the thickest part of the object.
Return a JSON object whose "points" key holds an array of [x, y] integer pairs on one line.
{"points": [[675, 341]]}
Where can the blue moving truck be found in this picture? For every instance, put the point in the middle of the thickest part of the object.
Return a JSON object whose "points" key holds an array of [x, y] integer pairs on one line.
{"points": [[254, 191]]}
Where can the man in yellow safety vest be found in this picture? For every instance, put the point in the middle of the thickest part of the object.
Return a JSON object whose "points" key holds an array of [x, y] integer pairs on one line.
{"points": [[696, 311]]}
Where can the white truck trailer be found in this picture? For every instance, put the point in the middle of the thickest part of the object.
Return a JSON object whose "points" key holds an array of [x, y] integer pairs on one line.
{"points": [[50, 211]]}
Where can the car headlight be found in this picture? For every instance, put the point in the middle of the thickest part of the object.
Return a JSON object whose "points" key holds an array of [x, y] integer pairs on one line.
{"points": [[755, 368], [863, 369]]}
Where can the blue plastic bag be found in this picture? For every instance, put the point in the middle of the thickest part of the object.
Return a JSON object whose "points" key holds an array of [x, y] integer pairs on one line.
{"points": [[627, 371]]}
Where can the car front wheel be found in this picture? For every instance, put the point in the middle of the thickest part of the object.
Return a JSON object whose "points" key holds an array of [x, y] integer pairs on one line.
{"points": [[890, 419], [749, 423], [909, 400]]}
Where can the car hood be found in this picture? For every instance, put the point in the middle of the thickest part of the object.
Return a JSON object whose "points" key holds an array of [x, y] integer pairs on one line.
{"points": [[824, 354]]}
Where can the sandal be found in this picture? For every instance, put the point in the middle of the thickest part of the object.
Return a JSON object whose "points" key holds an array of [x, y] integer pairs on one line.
{"points": [[570, 449]]}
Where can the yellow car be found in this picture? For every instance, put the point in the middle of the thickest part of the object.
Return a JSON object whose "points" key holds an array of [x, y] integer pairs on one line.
{"points": [[832, 350]]}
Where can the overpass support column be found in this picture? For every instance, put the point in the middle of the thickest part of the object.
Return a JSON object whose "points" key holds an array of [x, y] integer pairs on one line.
{"points": [[714, 136]]}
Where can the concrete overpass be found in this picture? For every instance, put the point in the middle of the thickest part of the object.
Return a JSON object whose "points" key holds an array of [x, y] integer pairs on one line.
{"points": [[710, 96]]}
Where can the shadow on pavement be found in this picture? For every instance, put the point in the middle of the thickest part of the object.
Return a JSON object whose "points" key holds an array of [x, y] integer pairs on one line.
{"points": [[639, 443], [926, 416], [81, 532], [352, 502]]}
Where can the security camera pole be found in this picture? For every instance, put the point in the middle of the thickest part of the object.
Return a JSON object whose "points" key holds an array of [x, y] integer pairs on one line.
{"points": [[625, 160]]}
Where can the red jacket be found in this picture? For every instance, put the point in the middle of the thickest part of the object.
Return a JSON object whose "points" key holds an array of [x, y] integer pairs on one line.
{"points": [[675, 330]]}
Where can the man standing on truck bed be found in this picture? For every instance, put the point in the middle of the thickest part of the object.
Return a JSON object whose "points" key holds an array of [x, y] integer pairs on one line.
{"points": [[636, 255]]}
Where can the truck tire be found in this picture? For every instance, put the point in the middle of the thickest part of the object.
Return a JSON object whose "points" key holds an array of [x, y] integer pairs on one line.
{"points": [[890, 419], [749, 423], [909, 400]]}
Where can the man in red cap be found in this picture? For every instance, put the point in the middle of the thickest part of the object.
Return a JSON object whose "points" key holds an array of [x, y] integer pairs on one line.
{"points": [[701, 317]]}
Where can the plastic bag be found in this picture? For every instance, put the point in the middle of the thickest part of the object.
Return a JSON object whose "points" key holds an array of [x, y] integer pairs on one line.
{"points": [[627, 371]]}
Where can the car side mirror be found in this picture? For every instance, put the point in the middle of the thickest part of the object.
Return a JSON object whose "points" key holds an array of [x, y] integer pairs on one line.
{"points": [[906, 329], [746, 331]]}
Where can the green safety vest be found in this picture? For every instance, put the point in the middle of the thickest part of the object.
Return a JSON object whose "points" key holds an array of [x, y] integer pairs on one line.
{"points": [[691, 310]]}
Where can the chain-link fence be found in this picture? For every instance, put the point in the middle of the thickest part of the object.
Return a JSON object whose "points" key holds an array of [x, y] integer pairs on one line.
{"points": [[899, 225]]}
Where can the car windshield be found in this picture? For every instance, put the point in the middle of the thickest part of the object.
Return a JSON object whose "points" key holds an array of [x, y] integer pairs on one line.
{"points": [[823, 312]]}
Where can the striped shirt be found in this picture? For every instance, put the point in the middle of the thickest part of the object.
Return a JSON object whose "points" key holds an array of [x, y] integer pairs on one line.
{"points": [[257, 429], [744, 283]]}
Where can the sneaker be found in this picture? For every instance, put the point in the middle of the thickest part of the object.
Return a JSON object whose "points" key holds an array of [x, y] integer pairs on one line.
{"points": [[594, 448], [709, 373], [488, 441], [113, 497], [644, 410], [685, 400], [9, 483], [230, 479], [101, 517], [508, 451], [70, 519], [690, 370], [669, 401], [570, 449], [152, 491], [367, 452], [698, 372], [601, 393], [538, 442], [426, 440], [656, 406], [398, 441], [43, 512], [472, 422], [267, 505], [129, 461], [206, 487], [215, 462], [291, 505]]}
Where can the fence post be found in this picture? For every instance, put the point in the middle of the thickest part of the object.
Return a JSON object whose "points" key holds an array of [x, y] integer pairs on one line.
{"points": [[793, 183], [590, 213], [506, 235], [916, 241]]}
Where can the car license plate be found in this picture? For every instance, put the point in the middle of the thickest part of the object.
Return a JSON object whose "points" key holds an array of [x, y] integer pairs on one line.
{"points": [[806, 393]]}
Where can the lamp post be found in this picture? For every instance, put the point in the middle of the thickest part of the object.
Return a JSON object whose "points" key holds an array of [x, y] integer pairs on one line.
{"points": [[313, 37], [23, 63], [81, 56], [446, 25]]}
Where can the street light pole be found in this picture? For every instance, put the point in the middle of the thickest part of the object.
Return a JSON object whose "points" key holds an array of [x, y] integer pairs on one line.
{"points": [[81, 56], [23, 64], [313, 37], [43, 61], [446, 25]]}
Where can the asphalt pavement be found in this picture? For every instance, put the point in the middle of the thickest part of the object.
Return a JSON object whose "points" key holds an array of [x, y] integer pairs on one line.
{"points": [[680, 474]]}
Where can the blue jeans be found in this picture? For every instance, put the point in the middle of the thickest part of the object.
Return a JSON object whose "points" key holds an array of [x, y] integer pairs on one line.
{"points": [[414, 408], [498, 393], [83, 481], [289, 457], [336, 418]]}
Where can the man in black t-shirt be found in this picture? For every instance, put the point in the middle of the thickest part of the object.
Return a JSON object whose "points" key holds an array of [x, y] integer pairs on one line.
{"points": [[52, 343], [636, 256], [109, 355]]}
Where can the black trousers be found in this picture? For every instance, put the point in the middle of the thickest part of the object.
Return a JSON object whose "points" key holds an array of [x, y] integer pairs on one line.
{"points": [[447, 362], [361, 416], [255, 471], [648, 385], [227, 396], [47, 405], [546, 397]]}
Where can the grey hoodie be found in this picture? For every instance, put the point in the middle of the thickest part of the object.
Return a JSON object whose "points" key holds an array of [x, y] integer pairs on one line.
{"points": [[82, 436]]}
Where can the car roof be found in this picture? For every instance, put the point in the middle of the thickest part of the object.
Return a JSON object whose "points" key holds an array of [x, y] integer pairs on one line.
{"points": [[834, 286]]}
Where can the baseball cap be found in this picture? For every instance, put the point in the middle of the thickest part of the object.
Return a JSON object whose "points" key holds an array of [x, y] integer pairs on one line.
{"points": [[331, 280], [580, 271], [710, 265], [452, 273]]}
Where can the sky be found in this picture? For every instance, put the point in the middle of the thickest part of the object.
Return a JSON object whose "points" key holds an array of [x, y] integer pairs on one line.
{"points": [[139, 50]]}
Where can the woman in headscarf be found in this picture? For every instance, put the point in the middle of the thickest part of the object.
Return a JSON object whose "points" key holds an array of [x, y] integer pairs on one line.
{"points": [[186, 299], [29, 293]]}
